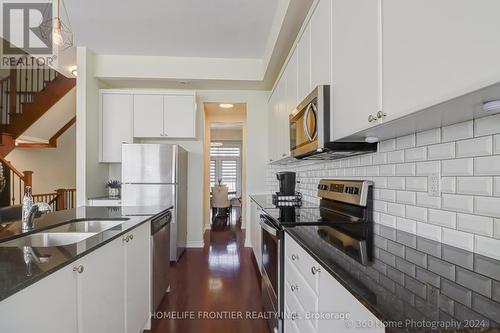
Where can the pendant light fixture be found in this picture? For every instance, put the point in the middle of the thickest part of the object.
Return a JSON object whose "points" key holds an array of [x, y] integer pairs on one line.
{"points": [[55, 30]]}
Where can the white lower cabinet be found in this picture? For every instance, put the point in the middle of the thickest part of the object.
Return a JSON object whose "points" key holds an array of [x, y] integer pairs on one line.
{"points": [[100, 290], [106, 291], [47, 306], [316, 302]]}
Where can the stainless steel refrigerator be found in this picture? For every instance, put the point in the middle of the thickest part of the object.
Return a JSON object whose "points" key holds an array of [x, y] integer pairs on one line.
{"points": [[156, 174]]}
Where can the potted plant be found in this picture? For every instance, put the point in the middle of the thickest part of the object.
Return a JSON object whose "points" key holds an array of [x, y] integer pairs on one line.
{"points": [[114, 187]]}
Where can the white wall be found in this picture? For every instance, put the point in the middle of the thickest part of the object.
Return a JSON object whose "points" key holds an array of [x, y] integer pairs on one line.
{"points": [[52, 168], [90, 174]]}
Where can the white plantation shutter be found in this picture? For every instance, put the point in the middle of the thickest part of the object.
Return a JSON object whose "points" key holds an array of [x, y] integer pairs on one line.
{"points": [[225, 166]]}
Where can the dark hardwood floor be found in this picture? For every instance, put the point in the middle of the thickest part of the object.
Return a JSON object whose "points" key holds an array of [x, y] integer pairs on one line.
{"points": [[218, 280]]}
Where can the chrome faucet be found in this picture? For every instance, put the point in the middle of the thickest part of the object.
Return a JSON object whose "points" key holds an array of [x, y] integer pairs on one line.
{"points": [[28, 222]]}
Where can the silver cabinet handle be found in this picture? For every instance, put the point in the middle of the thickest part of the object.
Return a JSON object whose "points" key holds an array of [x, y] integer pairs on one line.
{"points": [[371, 118], [78, 269], [315, 270], [128, 238], [381, 115], [295, 257], [294, 287], [125, 239]]}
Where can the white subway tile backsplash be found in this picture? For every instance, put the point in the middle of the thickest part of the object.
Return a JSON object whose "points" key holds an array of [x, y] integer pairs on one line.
{"points": [[396, 183], [429, 137], [443, 218], [416, 183], [442, 151], [467, 156], [387, 145], [404, 142], [475, 224], [429, 231], [458, 203], [396, 209], [388, 195], [416, 154], [487, 206], [459, 131], [475, 147], [487, 166], [416, 213], [475, 185], [424, 200], [428, 168], [487, 246], [487, 125], [459, 167], [406, 225], [458, 239], [448, 184], [397, 156], [406, 197], [405, 169]]}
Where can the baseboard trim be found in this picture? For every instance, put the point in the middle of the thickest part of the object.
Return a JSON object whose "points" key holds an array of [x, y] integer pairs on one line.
{"points": [[256, 269], [195, 244]]}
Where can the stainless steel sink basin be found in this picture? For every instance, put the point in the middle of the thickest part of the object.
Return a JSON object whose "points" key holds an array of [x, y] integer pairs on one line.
{"points": [[86, 226], [47, 239]]}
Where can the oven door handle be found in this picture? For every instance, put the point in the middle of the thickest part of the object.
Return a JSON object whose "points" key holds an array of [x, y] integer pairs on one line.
{"points": [[267, 227]]}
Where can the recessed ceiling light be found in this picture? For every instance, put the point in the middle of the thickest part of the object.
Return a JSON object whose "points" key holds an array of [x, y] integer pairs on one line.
{"points": [[371, 139], [491, 106], [226, 105]]}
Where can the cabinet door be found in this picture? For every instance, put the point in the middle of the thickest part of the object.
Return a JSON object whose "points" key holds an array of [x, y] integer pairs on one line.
{"points": [[137, 268], [148, 116], [304, 64], [47, 306], [271, 118], [355, 65], [321, 47], [180, 116], [334, 298], [116, 125], [281, 123], [101, 288], [257, 233], [436, 50]]}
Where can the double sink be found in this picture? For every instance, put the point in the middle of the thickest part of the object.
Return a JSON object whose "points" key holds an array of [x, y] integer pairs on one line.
{"points": [[68, 233]]}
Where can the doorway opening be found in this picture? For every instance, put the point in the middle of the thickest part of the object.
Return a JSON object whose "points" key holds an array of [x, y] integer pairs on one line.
{"points": [[225, 164]]}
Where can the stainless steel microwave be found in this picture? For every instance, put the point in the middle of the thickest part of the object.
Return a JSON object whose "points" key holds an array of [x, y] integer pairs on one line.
{"points": [[310, 123]]}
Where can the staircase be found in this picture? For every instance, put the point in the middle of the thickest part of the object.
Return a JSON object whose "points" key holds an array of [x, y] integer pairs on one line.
{"points": [[25, 95]]}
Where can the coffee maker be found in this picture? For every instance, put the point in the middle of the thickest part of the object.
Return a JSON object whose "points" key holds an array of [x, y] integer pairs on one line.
{"points": [[286, 195], [287, 183]]}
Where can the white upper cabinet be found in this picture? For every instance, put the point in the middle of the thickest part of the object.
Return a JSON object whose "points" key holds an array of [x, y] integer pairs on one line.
{"points": [[321, 44], [148, 115], [115, 125], [179, 116], [436, 50], [292, 76], [355, 65], [304, 64]]}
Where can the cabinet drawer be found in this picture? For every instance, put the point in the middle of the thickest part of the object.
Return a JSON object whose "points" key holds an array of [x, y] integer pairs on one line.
{"points": [[298, 286], [302, 261], [297, 313]]}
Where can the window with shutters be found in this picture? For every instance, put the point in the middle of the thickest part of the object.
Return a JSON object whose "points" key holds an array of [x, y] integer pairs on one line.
{"points": [[225, 166]]}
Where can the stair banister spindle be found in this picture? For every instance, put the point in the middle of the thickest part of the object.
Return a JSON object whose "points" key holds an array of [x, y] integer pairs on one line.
{"points": [[13, 91]]}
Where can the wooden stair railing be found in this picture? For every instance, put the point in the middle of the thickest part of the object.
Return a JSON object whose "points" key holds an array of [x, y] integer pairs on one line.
{"points": [[22, 179], [61, 199]]}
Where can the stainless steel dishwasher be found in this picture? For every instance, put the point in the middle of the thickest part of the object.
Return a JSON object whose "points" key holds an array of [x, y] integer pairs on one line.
{"points": [[160, 249]]}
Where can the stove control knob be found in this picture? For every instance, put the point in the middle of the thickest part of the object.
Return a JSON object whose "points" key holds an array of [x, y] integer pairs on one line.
{"points": [[294, 257]]}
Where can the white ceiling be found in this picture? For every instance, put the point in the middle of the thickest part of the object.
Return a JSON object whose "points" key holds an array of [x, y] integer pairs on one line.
{"points": [[178, 28]]}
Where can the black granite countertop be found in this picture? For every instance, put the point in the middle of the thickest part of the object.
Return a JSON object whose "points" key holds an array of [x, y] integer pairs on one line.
{"points": [[16, 274], [413, 280]]}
